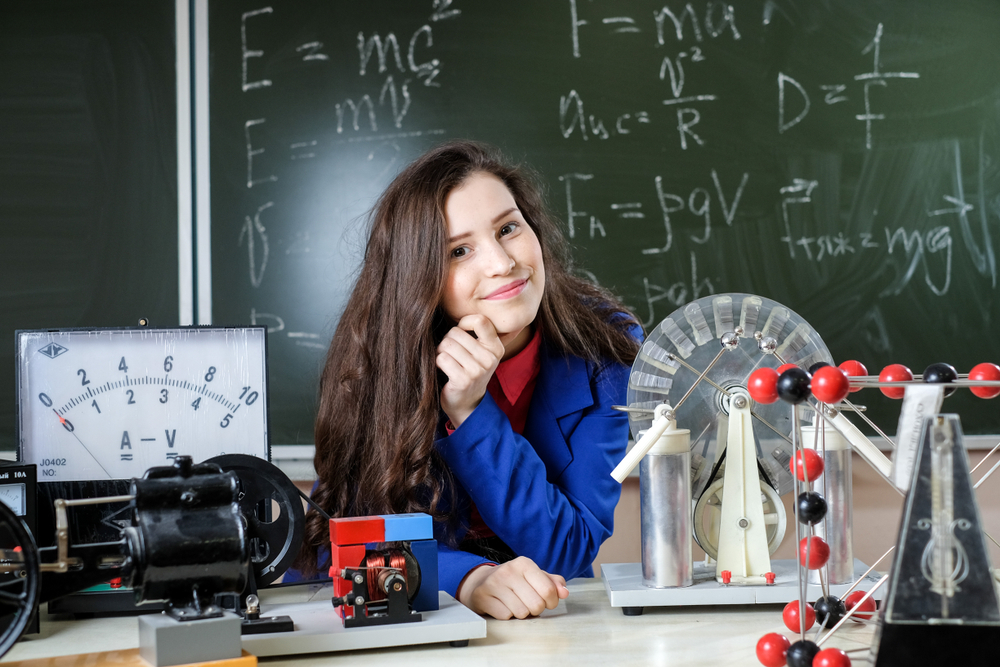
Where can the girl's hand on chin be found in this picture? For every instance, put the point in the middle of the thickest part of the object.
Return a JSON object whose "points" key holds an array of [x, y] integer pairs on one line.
{"points": [[517, 589], [469, 361]]}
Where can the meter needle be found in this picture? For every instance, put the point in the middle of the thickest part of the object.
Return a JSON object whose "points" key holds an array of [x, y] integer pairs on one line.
{"points": [[70, 429]]}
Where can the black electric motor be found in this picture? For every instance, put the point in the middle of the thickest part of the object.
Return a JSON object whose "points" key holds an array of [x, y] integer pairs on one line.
{"points": [[188, 541]]}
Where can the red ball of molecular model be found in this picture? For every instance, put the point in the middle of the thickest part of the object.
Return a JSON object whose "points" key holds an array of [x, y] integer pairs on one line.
{"points": [[763, 385], [985, 373], [790, 615], [812, 469], [866, 608], [772, 649], [831, 657], [814, 552], [854, 369], [830, 385], [895, 373]]}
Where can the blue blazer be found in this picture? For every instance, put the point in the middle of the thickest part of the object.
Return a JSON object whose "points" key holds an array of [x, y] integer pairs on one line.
{"points": [[548, 494]]}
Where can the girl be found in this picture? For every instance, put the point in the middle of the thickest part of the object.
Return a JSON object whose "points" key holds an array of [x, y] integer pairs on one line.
{"points": [[472, 377]]}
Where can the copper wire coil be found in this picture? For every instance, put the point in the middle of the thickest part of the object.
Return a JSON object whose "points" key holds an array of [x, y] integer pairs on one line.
{"points": [[380, 566]]}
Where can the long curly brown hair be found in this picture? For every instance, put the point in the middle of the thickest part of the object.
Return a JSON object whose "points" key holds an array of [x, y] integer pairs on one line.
{"points": [[379, 405]]}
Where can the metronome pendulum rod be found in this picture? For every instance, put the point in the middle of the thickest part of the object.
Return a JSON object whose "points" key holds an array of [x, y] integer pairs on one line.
{"points": [[850, 612]]}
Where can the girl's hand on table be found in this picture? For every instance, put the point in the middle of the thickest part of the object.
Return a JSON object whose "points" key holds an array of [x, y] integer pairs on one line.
{"points": [[517, 589]]}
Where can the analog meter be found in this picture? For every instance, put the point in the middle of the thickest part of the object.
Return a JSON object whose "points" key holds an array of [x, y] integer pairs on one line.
{"points": [[107, 404], [17, 490]]}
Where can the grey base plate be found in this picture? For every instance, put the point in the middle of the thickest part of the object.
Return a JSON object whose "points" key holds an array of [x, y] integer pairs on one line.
{"points": [[319, 629], [623, 584]]}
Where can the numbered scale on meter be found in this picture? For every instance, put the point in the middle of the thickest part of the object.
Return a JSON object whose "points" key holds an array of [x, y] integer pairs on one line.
{"points": [[97, 404]]}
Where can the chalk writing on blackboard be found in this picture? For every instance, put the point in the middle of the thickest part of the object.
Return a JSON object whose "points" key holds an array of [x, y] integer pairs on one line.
{"points": [[718, 17], [252, 151], [356, 116], [276, 324], [252, 230], [677, 294], [571, 213], [930, 249], [306, 148], [375, 44], [442, 11], [249, 53], [876, 77], [312, 51], [699, 204], [572, 118], [981, 252]]}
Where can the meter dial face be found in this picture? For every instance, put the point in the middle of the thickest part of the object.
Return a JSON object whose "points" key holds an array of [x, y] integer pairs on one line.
{"points": [[14, 496], [111, 403]]}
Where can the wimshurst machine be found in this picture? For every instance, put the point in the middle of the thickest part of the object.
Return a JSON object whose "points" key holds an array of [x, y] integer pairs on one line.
{"points": [[714, 462]]}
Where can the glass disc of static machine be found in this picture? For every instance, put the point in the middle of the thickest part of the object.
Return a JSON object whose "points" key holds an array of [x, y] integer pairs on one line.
{"points": [[692, 334], [105, 404]]}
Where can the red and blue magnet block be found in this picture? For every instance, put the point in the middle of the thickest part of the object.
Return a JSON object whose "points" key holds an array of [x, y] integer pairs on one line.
{"points": [[350, 535], [382, 528]]}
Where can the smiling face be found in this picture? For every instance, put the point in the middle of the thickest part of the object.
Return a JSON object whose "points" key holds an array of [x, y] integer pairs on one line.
{"points": [[494, 260]]}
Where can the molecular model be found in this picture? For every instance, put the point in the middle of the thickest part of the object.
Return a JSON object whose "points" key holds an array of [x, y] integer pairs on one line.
{"points": [[829, 386]]}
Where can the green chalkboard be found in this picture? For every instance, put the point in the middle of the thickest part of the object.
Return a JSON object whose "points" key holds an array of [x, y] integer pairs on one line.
{"points": [[841, 158], [88, 155]]}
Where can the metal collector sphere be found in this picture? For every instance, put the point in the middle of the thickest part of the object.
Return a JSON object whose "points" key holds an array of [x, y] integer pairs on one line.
{"points": [[729, 340]]}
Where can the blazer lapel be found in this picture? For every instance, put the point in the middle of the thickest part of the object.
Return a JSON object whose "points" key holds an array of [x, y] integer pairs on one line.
{"points": [[562, 392]]}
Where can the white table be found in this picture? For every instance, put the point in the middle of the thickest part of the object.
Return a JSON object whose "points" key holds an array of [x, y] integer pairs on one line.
{"points": [[589, 632]]}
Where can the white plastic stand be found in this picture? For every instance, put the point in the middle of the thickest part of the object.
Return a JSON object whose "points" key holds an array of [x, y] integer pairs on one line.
{"points": [[318, 629], [623, 584], [742, 533]]}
